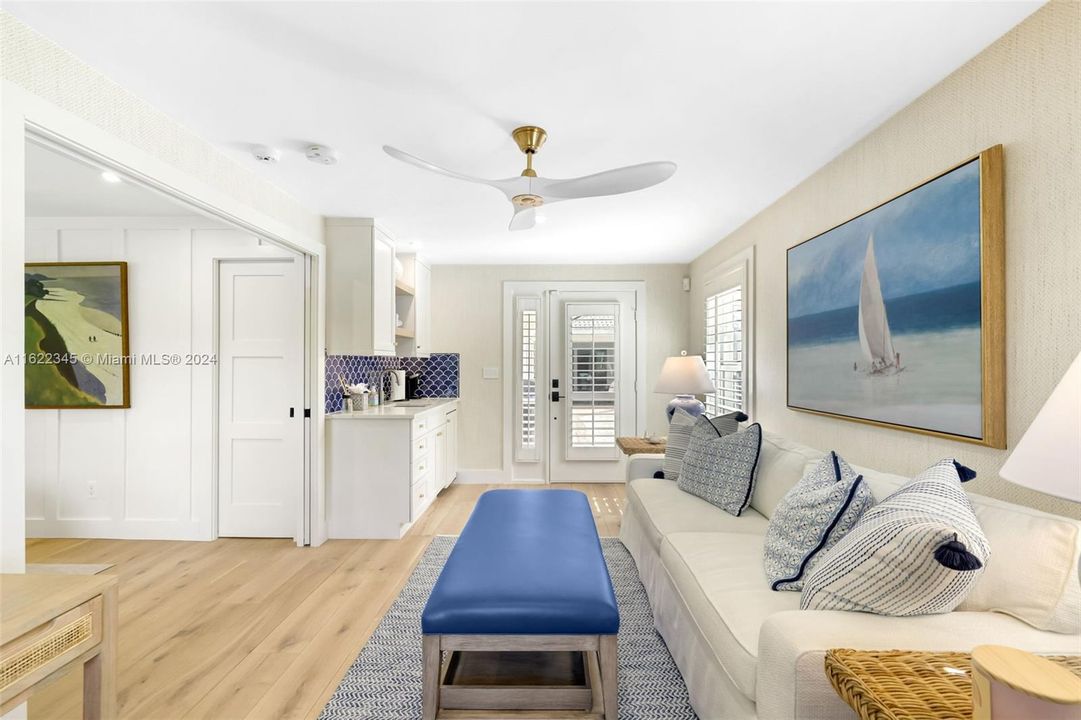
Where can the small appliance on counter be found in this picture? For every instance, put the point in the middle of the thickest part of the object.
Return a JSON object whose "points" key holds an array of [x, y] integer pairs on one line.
{"points": [[397, 385], [412, 385]]}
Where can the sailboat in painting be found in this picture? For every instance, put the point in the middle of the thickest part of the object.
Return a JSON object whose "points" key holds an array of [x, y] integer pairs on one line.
{"points": [[874, 327]]}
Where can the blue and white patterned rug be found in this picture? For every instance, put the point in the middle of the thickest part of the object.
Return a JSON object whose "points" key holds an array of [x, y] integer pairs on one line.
{"points": [[385, 681]]}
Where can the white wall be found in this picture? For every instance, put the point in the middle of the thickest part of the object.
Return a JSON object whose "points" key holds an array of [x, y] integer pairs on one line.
{"points": [[1024, 91], [44, 86], [467, 318], [152, 465]]}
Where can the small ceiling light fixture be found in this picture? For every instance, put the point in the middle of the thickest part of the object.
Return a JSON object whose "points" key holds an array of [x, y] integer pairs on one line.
{"points": [[109, 176], [266, 154], [322, 155]]}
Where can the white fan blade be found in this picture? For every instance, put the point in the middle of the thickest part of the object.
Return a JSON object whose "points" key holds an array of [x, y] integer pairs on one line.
{"points": [[523, 219], [611, 182], [425, 165]]}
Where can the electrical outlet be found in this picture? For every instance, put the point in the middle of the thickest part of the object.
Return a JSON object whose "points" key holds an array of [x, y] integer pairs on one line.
{"points": [[490, 373], [92, 489]]}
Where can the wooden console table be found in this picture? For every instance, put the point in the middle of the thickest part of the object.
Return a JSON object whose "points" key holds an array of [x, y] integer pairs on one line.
{"points": [[50, 624]]}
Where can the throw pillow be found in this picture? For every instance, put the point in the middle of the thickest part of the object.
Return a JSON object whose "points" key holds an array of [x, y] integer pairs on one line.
{"points": [[679, 437], [918, 552], [815, 514], [722, 470]]}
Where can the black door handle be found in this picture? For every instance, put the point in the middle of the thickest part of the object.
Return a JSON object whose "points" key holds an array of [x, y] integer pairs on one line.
{"points": [[291, 412], [555, 396]]}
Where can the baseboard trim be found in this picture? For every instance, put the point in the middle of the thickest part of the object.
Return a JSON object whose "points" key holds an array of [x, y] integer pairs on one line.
{"points": [[481, 477]]}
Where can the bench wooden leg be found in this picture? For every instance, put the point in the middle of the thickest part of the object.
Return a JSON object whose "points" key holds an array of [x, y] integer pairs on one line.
{"points": [[432, 661], [609, 661]]}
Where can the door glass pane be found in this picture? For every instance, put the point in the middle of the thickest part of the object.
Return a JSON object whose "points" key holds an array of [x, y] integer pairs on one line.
{"points": [[591, 341], [528, 360]]}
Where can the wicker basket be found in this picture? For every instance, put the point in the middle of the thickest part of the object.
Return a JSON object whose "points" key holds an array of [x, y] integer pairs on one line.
{"points": [[901, 684]]}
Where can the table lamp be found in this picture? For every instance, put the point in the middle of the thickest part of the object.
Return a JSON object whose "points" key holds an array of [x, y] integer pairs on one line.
{"points": [[1007, 682], [684, 376]]}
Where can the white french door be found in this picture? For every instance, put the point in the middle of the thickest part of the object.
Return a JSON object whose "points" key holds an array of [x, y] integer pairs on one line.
{"points": [[260, 397], [574, 353], [592, 368]]}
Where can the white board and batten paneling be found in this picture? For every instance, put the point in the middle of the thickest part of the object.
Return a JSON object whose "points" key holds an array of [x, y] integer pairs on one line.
{"points": [[146, 472]]}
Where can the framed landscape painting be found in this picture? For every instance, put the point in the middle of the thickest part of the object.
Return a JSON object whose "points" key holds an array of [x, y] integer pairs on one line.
{"points": [[77, 335], [896, 317]]}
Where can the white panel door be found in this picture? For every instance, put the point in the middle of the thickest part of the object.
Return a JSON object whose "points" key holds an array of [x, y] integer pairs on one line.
{"points": [[592, 338], [260, 398]]}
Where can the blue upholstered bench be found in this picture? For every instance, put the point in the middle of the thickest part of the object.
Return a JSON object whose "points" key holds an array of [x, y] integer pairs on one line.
{"points": [[527, 574]]}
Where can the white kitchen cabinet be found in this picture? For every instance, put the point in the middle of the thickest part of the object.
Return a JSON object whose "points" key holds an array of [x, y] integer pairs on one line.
{"points": [[423, 309], [360, 288], [450, 470], [386, 466]]}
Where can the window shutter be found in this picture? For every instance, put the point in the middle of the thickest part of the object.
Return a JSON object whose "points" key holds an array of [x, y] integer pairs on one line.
{"points": [[724, 350], [526, 326]]}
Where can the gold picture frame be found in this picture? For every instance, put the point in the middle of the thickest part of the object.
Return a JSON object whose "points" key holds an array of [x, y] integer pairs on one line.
{"points": [[936, 331], [77, 345]]}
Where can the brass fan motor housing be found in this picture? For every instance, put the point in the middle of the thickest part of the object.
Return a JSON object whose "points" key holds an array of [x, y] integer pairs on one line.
{"points": [[527, 200]]}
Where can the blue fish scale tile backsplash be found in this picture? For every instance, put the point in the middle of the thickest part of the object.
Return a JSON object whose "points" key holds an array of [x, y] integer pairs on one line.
{"points": [[438, 373]]}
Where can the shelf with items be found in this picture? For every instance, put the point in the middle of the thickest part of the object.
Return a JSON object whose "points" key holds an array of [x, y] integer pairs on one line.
{"points": [[403, 288]]}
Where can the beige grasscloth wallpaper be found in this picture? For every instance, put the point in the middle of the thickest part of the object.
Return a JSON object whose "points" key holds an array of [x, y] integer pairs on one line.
{"points": [[467, 318], [1024, 92]]}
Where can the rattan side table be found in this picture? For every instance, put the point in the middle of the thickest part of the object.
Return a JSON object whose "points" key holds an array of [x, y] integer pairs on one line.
{"points": [[902, 684]]}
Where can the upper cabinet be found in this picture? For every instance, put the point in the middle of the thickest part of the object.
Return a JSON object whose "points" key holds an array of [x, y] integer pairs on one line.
{"points": [[424, 310], [413, 306], [360, 288]]}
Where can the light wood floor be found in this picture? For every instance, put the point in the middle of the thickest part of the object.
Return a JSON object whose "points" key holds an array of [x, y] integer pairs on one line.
{"points": [[259, 629]]}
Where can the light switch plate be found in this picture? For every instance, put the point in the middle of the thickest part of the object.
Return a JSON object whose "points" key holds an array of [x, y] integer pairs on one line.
{"points": [[491, 373]]}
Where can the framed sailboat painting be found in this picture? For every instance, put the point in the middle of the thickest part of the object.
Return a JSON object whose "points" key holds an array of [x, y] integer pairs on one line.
{"points": [[896, 316]]}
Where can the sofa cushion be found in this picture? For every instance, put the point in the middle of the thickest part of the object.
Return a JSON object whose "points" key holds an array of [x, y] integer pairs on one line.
{"points": [[719, 576], [811, 519], [780, 467], [679, 437], [722, 469], [1032, 574], [918, 552], [663, 509]]}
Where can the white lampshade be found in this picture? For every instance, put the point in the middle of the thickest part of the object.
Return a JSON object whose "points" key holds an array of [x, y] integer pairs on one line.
{"points": [[1048, 458], [684, 375]]}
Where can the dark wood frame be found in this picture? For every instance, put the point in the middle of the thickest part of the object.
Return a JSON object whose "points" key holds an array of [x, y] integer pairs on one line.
{"points": [[125, 349], [992, 305]]}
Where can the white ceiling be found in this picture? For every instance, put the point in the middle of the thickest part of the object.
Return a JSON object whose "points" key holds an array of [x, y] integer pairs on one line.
{"points": [[59, 185], [749, 98]]}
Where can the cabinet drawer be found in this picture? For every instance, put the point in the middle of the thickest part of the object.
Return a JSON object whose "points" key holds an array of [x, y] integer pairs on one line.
{"points": [[38, 653], [422, 496], [422, 466], [422, 446]]}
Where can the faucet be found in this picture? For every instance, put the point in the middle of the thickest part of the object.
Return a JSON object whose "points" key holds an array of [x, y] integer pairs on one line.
{"points": [[378, 376]]}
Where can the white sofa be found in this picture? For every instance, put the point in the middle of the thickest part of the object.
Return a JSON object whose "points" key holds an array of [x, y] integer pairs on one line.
{"points": [[746, 651]]}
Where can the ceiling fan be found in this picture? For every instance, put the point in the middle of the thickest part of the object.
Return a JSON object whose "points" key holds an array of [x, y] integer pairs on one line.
{"points": [[528, 191]]}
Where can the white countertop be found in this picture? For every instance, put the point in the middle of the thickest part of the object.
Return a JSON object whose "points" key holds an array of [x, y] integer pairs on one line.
{"points": [[404, 409]]}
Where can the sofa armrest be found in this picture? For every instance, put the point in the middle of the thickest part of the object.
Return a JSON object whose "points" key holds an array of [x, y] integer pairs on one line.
{"points": [[791, 680], [644, 465]]}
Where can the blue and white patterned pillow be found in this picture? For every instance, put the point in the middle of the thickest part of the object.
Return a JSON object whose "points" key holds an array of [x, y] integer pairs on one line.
{"points": [[679, 437], [811, 518], [722, 470], [684, 425], [918, 552]]}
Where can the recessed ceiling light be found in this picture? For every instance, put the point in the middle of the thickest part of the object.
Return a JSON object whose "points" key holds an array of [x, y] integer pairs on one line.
{"points": [[109, 176]]}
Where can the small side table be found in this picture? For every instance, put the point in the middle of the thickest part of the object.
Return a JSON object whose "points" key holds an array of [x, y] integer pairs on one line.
{"points": [[895, 684], [639, 446], [52, 624]]}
